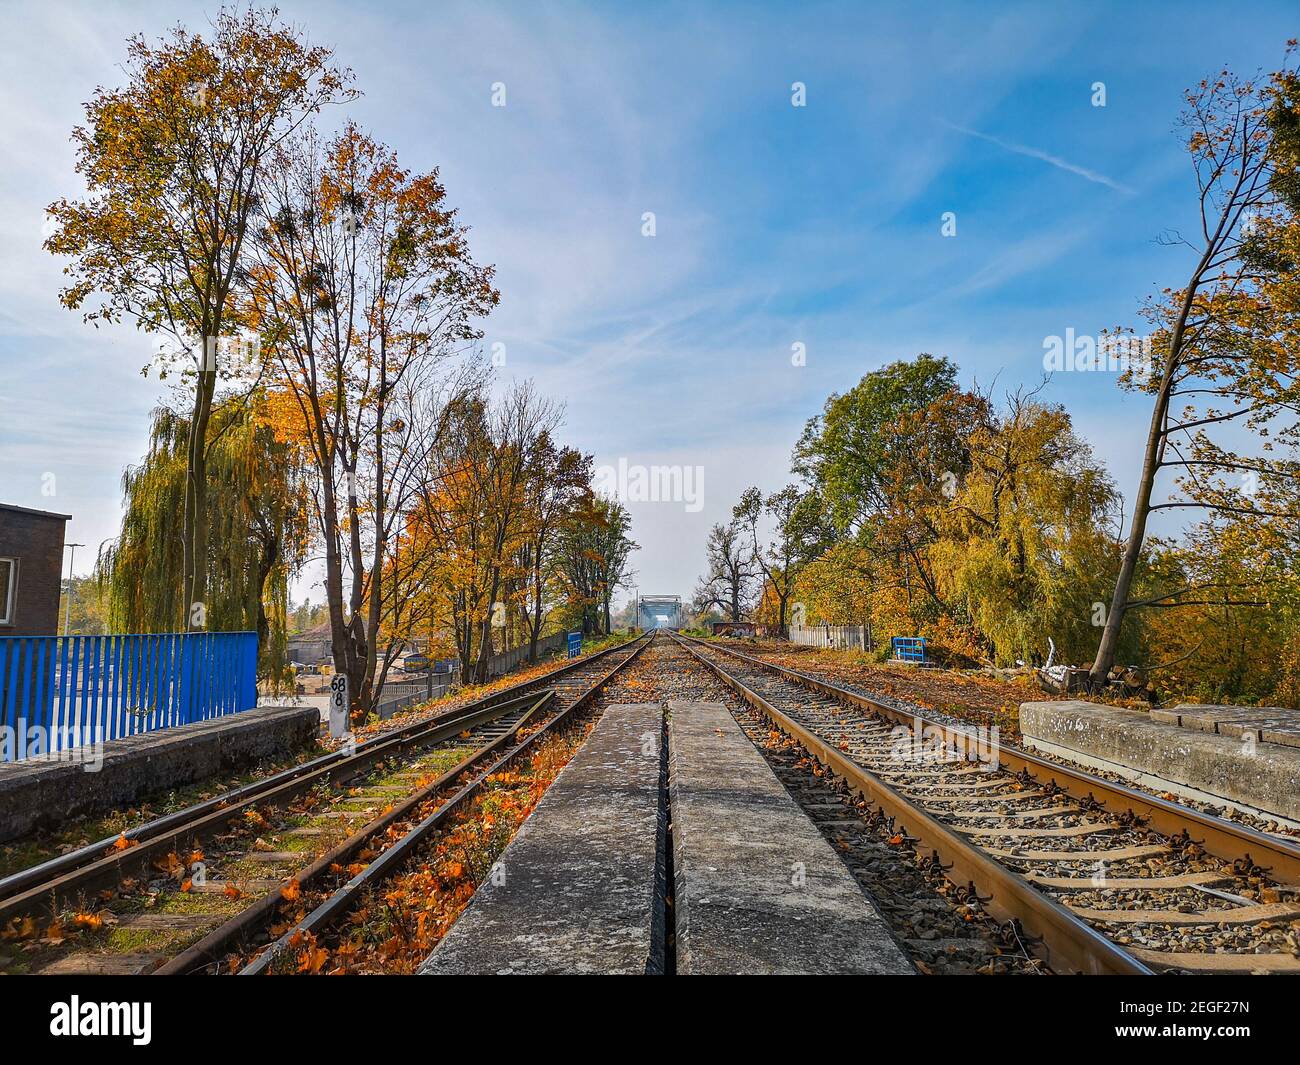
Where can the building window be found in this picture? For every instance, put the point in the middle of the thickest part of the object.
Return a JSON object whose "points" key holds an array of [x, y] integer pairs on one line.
{"points": [[8, 589]]}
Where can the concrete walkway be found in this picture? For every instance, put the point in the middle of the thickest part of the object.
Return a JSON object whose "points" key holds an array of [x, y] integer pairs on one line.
{"points": [[577, 886], [758, 888]]}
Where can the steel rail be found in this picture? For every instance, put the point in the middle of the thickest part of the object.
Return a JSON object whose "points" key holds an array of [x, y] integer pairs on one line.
{"points": [[392, 859], [47, 870], [1065, 942], [1218, 837], [111, 868], [96, 865], [220, 940]]}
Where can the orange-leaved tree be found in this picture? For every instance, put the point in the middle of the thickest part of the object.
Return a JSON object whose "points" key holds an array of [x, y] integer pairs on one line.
{"points": [[363, 291], [172, 161], [1222, 371]]}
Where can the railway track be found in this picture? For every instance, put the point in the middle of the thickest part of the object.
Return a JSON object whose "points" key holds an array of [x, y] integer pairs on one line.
{"points": [[220, 871], [1095, 876], [443, 799]]}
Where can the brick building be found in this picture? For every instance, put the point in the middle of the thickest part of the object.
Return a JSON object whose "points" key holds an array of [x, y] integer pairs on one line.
{"points": [[31, 569]]}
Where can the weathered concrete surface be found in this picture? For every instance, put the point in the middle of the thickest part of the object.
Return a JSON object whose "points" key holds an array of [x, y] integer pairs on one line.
{"points": [[758, 889], [1244, 773], [578, 894], [42, 792], [1269, 724]]}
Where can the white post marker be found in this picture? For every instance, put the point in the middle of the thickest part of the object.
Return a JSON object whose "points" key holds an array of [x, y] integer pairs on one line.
{"points": [[339, 703]]}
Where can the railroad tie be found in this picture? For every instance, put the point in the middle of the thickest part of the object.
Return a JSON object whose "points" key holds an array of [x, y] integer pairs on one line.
{"points": [[1126, 883], [1272, 911]]}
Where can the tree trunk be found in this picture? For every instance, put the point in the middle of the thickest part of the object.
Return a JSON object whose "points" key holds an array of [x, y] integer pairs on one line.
{"points": [[376, 598], [340, 640], [485, 635], [1109, 643], [195, 532], [535, 629], [1151, 459], [270, 553]]}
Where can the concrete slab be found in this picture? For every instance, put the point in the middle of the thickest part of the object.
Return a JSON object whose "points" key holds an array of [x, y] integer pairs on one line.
{"points": [[757, 887], [42, 792], [1217, 767], [1269, 724], [582, 883]]}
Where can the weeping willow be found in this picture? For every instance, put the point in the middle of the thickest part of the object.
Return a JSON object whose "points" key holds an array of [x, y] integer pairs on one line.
{"points": [[257, 532]]}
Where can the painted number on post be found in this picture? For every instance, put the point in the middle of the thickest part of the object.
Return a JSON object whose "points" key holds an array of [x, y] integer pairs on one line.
{"points": [[339, 703]]}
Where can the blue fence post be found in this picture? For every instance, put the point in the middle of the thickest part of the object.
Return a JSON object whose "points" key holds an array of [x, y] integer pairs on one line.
{"points": [[250, 670], [9, 676]]}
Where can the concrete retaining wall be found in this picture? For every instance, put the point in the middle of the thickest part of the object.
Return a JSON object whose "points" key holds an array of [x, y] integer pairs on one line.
{"points": [[41, 792], [1252, 776]]}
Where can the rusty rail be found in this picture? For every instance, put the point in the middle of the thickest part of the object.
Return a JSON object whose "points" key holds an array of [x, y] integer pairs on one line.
{"points": [[98, 865], [392, 859], [1218, 837], [1066, 943]]}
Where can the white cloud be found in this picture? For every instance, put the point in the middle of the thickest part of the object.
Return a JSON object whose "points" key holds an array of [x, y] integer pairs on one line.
{"points": [[773, 225]]}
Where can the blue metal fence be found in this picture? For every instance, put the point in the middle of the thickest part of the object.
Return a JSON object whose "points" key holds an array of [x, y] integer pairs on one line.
{"points": [[60, 692], [909, 648]]}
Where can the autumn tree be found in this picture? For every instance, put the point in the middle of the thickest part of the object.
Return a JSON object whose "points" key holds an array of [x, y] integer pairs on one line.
{"points": [[592, 554], [410, 566], [797, 535], [877, 456], [985, 529], [615, 546], [1222, 370], [450, 521], [518, 430], [258, 526], [494, 508], [82, 607], [364, 288], [172, 161], [1215, 651], [1025, 536], [838, 588], [557, 479]]}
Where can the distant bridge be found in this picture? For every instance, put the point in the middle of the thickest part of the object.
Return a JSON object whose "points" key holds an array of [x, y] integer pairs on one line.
{"points": [[659, 611]]}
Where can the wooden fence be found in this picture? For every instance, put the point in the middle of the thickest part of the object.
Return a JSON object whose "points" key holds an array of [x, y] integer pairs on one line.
{"points": [[839, 637]]}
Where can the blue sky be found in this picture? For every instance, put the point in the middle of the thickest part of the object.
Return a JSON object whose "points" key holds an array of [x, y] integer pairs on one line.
{"points": [[775, 224]]}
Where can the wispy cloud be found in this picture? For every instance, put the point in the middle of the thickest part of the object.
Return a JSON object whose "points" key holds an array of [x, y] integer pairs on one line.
{"points": [[776, 224], [1046, 157]]}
